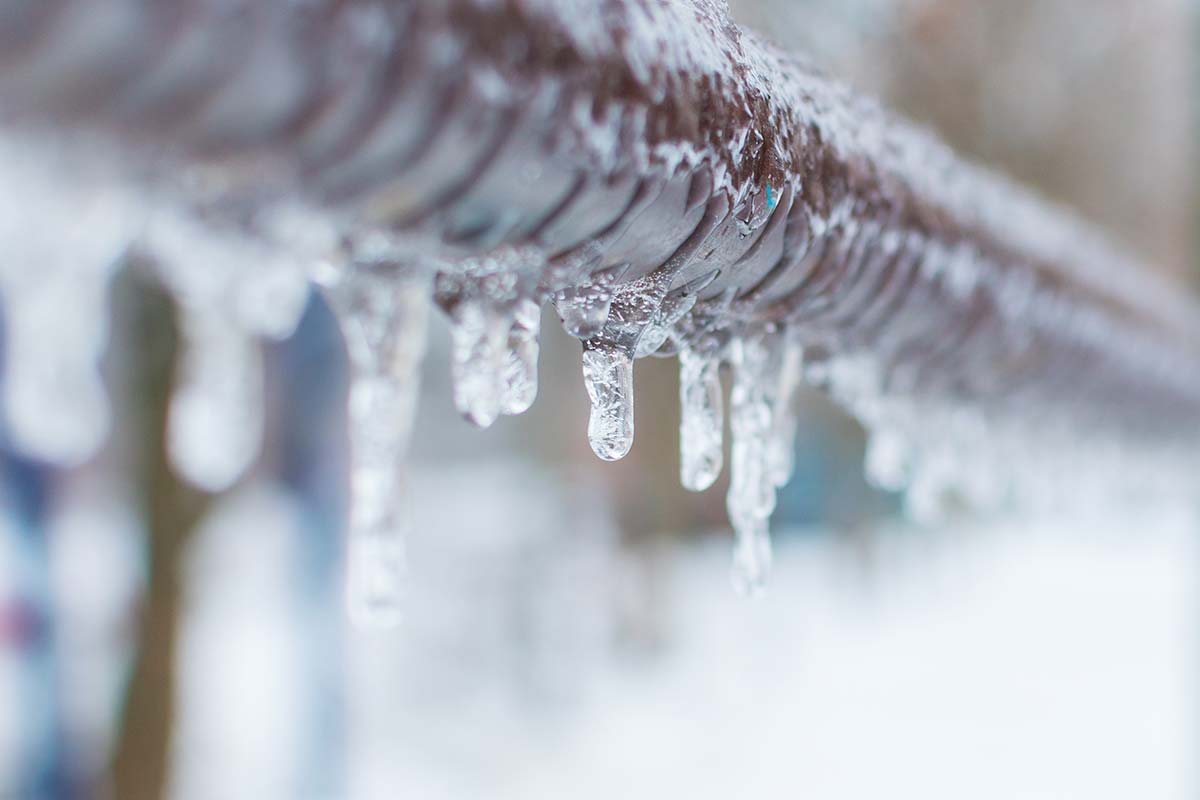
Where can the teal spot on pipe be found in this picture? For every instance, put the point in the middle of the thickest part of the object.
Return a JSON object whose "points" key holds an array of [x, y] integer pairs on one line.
{"points": [[771, 199]]}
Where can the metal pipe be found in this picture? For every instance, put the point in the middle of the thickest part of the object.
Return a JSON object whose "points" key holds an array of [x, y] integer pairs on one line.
{"points": [[561, 141]]}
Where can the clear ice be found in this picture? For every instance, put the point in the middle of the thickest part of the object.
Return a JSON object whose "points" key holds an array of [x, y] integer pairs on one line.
{"points": [[494, 348], [608, 377], [584, 310], [383, 318], [479, 334], [520, 377], [751, 497], [702, 419]]}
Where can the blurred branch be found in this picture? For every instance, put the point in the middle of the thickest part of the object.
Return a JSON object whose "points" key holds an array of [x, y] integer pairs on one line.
{"points": [[171, 510]]}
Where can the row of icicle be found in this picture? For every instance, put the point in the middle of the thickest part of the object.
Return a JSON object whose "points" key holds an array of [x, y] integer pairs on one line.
{"points": [[231, 289]]}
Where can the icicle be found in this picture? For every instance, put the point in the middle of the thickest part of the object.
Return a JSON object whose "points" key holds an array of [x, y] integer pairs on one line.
{"points": [[608, 376], [751, 497], [383, 319], [781, 451], [702, 419], [214, 430], [887, 462], [229, 288], [65, 222], [480, 334], [54, 399], [521, 381]]}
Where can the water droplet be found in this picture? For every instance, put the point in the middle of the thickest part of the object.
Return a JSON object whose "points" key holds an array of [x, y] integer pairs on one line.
{"points": [[608, 376]]}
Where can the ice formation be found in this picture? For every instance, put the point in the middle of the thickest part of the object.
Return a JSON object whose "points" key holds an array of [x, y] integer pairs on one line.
{"points": [[229, 290], [382, 313], [702, 419], [668, 182]]}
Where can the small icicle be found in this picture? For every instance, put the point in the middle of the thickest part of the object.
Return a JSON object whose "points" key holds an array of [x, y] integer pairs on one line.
{"points": [[480, 334], [214, 430], [702, 419], [383, 319], [751, 498], [887, 463], [608, 376], [781, 450], [521, 380]]}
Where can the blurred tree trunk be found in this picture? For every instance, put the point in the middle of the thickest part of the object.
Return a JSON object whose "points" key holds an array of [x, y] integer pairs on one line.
{"points": [[170, 510]]}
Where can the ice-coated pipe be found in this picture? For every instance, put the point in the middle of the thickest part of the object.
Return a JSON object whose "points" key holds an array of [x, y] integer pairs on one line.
{"points": [[657, 141]]}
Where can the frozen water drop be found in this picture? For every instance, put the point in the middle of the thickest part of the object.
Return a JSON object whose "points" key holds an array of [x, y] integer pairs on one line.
{"points": [[702, 419], [480, 351], [521, 381], [608, 376]]}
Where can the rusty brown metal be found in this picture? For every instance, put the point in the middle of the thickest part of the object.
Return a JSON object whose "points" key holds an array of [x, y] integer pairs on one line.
{"points": [[560, 141]]}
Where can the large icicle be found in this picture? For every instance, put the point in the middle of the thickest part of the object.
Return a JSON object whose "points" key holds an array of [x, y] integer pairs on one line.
{"points": [[751, 497], [383, 319], [608, 363], [702, 419], [608, 376]]}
